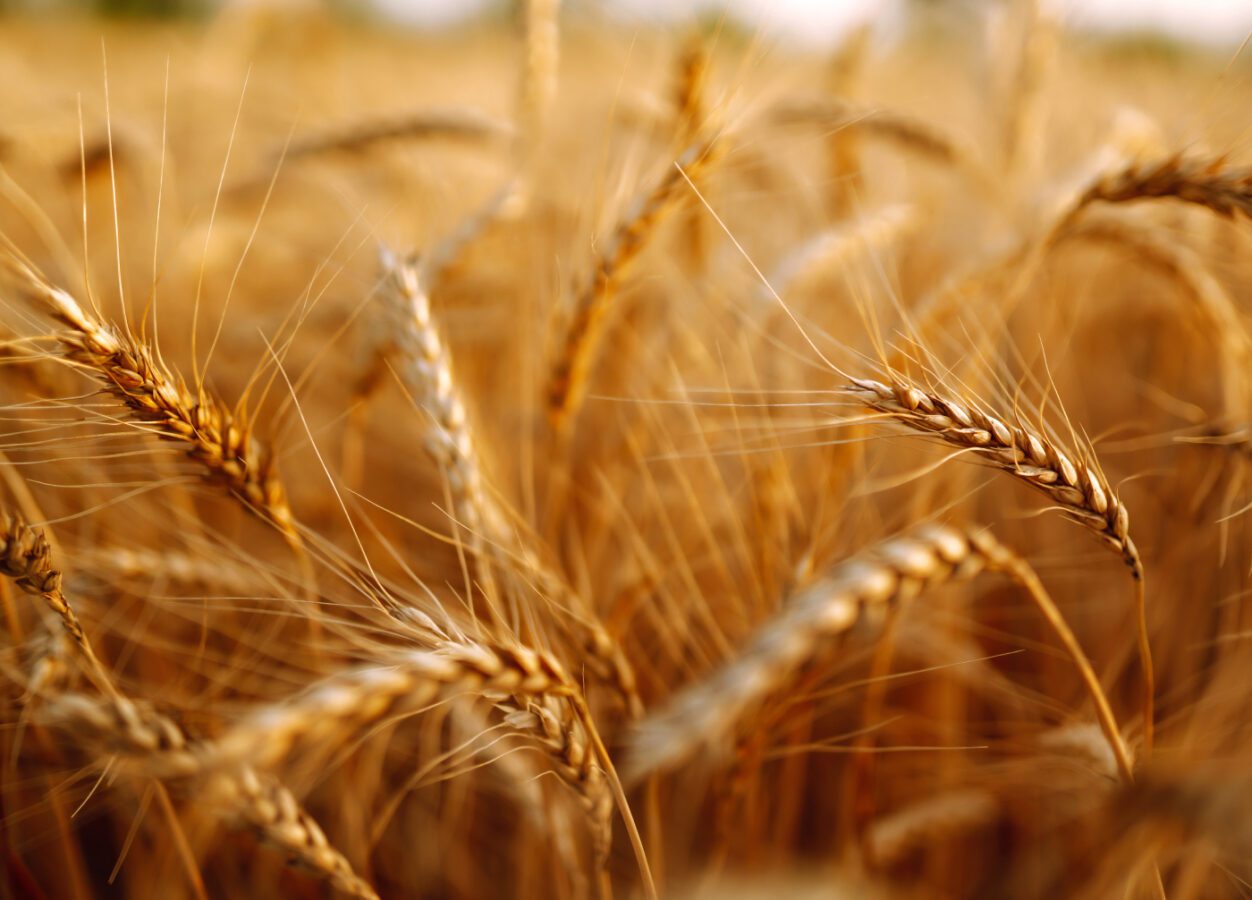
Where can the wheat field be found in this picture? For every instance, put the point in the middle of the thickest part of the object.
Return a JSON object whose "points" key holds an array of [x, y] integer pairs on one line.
{"points": [[560, 458]]}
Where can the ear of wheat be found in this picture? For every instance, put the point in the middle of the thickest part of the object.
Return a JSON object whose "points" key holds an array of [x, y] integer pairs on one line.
{"points": [[218, 440], [857, 591], [1076, 485]]}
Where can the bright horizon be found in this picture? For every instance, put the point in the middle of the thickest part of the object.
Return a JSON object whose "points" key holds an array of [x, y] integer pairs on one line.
{"points": [[1224, 22]]}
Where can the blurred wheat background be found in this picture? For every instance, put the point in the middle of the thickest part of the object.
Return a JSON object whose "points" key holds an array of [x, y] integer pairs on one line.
{"points": [[549, 456]]}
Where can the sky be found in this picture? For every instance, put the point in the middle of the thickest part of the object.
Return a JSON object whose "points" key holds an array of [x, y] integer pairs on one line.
{"points": [[1223, 22]]}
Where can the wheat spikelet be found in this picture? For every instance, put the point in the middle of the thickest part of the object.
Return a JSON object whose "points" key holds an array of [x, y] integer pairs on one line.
{"points": [[264, 804], [858, 590], [568, 375], [555, 727], [427, 372], [218, 440], [26, 558]]}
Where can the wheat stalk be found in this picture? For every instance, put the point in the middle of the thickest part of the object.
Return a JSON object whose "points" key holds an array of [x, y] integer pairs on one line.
{"points": [[218, 440], [570, 370], [1076, 485], [856, 591], [356, 699], [26, 558]]}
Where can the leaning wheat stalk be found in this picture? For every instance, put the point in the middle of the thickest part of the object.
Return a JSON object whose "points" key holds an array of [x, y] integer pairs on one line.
{"points": [[426, 368], [859, 590], [570, 370], [1076, 485]]}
